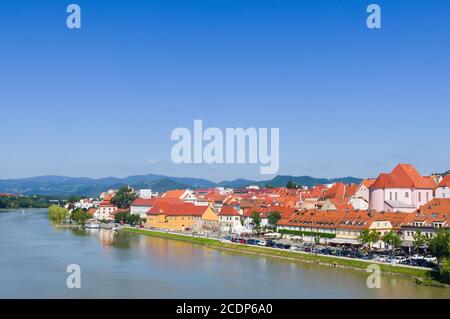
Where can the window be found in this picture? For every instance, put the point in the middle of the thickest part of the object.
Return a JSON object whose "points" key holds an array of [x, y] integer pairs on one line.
{"points": [[420, 196], [395, 195], [407, 195], [390, 195], [428, 197]]}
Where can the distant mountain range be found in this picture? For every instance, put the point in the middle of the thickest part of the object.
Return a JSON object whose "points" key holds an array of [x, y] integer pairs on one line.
{"points": [[68, 186]]}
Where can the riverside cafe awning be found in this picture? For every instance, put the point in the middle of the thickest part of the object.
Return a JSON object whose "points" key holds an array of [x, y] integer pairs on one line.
{"points": [[344, 241]]}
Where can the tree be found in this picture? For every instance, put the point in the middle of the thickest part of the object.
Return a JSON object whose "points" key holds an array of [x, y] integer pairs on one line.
{"points": [[444, 270], [79, 216], [368, 237], [124, 197], [419, 240], [256, 219], [392, 239], [440, 244], [130, 219], [291, 185], [57, 214], [274, 217]]}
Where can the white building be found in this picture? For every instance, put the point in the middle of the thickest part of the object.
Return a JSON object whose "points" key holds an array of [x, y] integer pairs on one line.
{"points": [[443, 190], [230, 221], [146, 194], [141, 206], [105, 210], [402, 190]]}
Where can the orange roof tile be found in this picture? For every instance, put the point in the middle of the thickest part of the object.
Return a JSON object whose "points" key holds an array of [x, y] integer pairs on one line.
{"points": [[403, 176]]}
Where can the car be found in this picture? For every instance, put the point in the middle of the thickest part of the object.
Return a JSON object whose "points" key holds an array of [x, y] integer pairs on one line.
{"points": [[368, 257], [278, 245], [261, 243], [287, 246], [269, 243], [425, 263], [229, 237], [242, 241], [430, 259], [251, 242]]}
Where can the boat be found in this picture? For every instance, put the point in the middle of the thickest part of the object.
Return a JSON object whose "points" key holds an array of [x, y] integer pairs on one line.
{"points": [[92, 225]]}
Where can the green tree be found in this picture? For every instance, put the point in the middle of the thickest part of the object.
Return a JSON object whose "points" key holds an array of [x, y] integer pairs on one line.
{"points": [[79, 216], [419, 240], [291, 185], [440, 244], [124, 197], [392, 239], [274, 217], [368, 237], [130, 219], [444, 270], [57, 214], [256, 219]]}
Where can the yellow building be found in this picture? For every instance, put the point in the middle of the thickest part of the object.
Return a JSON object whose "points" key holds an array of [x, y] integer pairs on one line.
{"points": [[182, 217]]}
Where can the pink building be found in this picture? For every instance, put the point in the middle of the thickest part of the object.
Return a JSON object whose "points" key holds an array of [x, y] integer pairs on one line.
{"points": [[402, 190]]}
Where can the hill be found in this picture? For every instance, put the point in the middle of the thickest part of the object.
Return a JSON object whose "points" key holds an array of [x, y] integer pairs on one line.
{"points": [[83, 186]]}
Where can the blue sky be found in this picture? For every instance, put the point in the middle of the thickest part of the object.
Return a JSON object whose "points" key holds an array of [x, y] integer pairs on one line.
{"points": [[103, 100]]}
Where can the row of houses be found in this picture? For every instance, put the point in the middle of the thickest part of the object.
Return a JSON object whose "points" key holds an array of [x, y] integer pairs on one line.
{"points": [[395, 201], [347, 225], [404, 189]]}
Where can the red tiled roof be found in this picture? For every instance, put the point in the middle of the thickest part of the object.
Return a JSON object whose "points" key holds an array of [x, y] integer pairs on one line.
{"points": [[403, 176], [445, 182], [228, 211], [186, 209], [177, 193], [143, 202]]}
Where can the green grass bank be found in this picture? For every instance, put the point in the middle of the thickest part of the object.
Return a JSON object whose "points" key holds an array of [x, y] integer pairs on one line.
{"points": [[419, 275]]}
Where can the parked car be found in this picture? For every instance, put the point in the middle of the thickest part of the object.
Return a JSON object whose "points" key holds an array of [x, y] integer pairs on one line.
{"points": [[431, 259], [295, 248], [368, 257], [270, 243], [287, 246], [242, 241]]}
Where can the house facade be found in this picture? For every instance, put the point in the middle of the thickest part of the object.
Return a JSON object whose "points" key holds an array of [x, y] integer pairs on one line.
{"points": [[231, 221], [141, 206], [105, 210], [402, 190], [182, 217], [443, 190], [428, 220]]}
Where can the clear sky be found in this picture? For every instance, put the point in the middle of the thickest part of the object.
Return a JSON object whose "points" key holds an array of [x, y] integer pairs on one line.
{"points": [[103, 100]]}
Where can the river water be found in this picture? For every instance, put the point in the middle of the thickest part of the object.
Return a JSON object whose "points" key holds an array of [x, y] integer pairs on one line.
{"points": [[34, 257]]}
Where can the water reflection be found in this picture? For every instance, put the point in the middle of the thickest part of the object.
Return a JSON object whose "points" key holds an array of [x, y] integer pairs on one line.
{"points": [[125, 265]]}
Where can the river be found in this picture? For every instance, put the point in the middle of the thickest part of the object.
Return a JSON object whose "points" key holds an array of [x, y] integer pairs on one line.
{"points": [[34, 257]]}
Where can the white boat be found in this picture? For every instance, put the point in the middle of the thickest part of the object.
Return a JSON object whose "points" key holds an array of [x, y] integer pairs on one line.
{"points": [[92, 225]]}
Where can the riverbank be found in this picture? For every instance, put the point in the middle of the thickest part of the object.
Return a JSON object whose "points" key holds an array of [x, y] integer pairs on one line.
{"points": [[419, 275]]}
